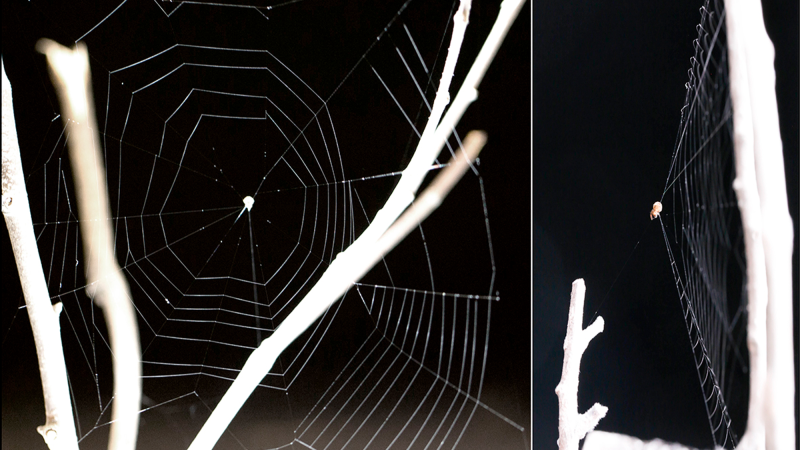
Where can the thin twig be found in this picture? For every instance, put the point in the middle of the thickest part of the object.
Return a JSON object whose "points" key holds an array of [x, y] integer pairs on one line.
{"points": [[432, 197], [106, 285], [573, 426], [59, 430]]}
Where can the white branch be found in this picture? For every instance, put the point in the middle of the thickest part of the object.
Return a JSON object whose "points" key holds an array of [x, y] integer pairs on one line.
{"points": [[761, 189], [426, 151], [59, 429], [426, 154], [572, 426], [749, 203], [777, 236], [69, 70]]}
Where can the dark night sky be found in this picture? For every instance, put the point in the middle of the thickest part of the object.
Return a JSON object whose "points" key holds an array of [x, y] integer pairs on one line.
{"points": [[608, 88], [297, 34]]}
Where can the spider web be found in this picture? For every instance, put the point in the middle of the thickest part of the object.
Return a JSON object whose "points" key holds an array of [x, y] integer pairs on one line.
{"points": [[703, 233], [312, 110]]}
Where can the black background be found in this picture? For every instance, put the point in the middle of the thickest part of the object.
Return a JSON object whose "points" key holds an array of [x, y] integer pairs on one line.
{"points": [[328, 54]]}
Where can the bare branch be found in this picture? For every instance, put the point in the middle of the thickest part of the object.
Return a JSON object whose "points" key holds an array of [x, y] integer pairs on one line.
{"points": [[69, 70], [59, 429], [572, 426], [761, 190]]}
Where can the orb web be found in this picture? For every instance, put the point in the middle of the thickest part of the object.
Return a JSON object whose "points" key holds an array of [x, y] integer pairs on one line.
{"points": [[204, 106]]}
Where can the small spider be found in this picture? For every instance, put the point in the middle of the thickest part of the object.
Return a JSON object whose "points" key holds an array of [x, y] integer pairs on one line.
{"points": [[655, 211]]}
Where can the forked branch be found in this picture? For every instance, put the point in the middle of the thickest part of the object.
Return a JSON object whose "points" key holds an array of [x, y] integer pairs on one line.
{"points": [[572, 426]]}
